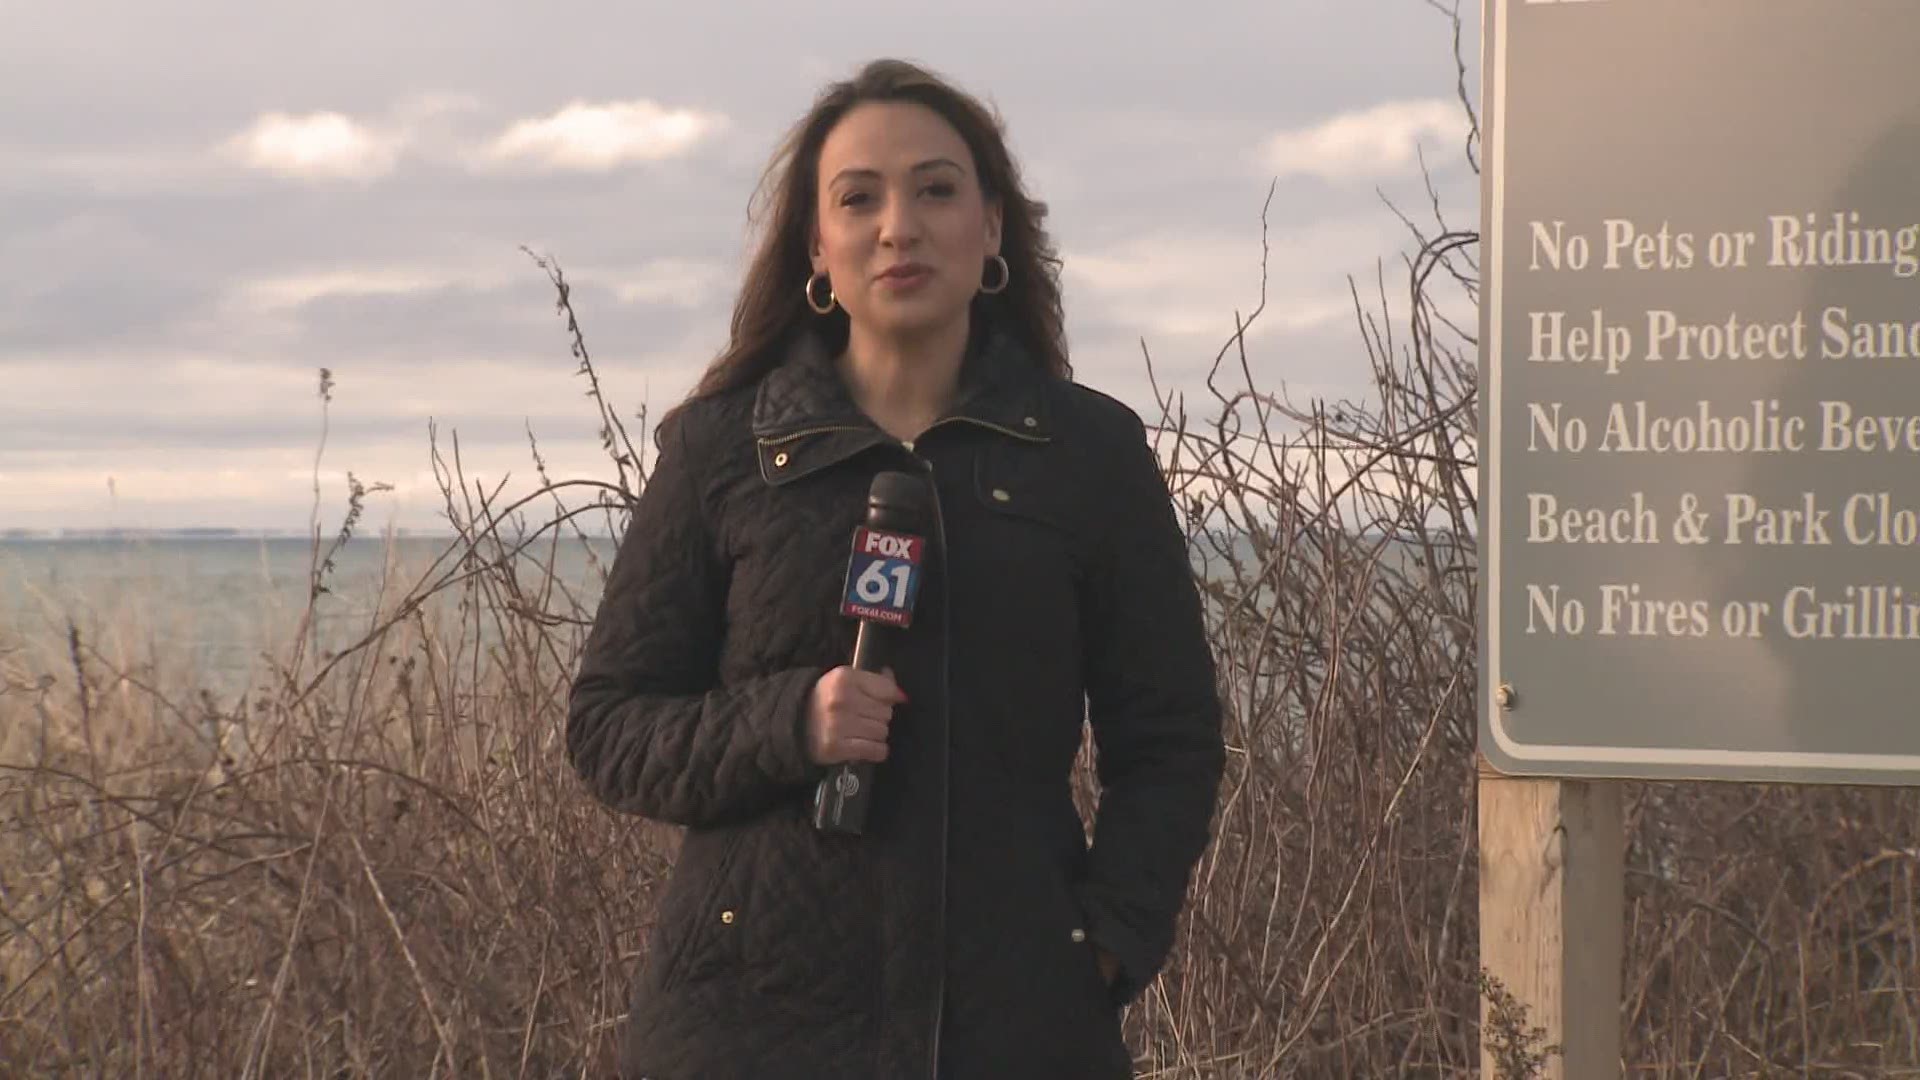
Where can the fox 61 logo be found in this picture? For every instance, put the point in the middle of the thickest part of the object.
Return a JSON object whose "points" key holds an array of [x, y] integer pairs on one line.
{"points": [[883, 576]]}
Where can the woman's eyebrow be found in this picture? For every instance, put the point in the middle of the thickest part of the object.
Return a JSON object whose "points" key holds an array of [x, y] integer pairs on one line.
{"points": [[850, 174]]}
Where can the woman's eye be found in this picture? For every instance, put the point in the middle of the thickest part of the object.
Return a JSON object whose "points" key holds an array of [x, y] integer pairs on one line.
{"points": [[943, 189]]}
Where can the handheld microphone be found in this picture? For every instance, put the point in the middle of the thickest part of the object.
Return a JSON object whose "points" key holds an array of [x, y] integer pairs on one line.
{"points": [[883, 578]]}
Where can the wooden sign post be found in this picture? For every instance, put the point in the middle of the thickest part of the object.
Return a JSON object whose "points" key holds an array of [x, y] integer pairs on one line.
{"points": [[1552, 902]]}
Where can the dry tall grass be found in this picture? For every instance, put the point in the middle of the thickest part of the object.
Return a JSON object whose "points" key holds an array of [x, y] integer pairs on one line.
{"points": [[378, 864]]}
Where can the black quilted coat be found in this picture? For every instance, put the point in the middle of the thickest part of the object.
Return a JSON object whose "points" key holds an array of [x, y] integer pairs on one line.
{"points": [[954, 937]]}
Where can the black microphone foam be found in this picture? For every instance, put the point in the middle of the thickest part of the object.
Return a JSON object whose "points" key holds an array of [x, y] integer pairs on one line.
{"points": [[898, 500]]}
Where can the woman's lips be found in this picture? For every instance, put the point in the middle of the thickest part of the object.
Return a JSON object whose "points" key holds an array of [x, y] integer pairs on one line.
{"points": [[903, 282]]}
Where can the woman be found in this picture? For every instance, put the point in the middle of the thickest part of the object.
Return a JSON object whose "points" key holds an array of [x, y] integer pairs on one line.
{"points": [[901, 314]]}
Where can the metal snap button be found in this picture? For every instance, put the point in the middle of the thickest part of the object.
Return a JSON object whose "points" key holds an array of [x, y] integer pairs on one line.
{"points": [[1079, 934], [780, 459], [1030, 421], [1001, 494], [727, 917]]}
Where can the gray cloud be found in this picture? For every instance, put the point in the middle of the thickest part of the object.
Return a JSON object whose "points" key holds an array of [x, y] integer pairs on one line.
{"points": [[109, 307]]}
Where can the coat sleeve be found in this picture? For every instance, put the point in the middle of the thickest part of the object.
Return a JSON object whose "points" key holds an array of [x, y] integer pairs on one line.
{"points": [[649, 728], [1155, 714]]}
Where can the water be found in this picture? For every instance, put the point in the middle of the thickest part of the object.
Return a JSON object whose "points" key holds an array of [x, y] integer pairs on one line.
{"points": [[203, 611]]}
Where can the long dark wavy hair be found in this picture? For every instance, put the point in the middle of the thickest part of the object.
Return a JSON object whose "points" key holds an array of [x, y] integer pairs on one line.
{"points": [[771, 305]]}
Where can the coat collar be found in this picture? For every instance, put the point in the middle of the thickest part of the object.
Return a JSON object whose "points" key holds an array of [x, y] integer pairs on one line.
{"points": [[1002, 387]]}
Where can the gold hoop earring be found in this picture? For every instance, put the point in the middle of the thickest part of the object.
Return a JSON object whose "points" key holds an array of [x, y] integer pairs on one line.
{"points": [[1006, 275], [817, 309]]}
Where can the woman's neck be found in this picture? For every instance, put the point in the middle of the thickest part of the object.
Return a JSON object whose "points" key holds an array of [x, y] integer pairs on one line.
{"points": [[904, 385]]}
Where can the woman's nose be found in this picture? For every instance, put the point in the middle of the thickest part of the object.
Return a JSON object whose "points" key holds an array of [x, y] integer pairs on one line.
{"points": [[899, 220]]}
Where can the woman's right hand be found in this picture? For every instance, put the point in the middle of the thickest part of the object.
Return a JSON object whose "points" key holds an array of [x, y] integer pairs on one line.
{"points": [[848, 714]]}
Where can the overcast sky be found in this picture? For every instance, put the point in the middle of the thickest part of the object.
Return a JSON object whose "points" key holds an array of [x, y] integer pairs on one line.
{"points": [[202, 204]]}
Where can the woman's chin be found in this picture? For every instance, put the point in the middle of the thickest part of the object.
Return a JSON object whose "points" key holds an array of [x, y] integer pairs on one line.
{"points": [[909, 319]]}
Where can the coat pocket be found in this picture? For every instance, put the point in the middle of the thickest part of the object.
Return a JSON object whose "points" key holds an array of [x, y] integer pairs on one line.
{"points": [[1101, 990], [1069, 991], [805, 929], [689, 920], [1068, 928]]}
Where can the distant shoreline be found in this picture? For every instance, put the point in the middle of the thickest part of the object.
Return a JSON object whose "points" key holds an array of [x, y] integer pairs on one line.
{"points": [[32, 536]]}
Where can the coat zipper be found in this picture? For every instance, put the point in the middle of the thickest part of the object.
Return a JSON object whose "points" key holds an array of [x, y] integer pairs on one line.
{"points": [[946, 688], [792, 435], [946, 696], [946, 753]]}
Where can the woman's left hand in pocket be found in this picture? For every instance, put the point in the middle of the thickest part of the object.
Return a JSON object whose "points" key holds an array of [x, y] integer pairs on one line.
{"points": [[1109, 964]]}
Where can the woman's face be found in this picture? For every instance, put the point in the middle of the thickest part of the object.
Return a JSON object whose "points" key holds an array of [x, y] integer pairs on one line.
{"points": [[897, 185]]}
